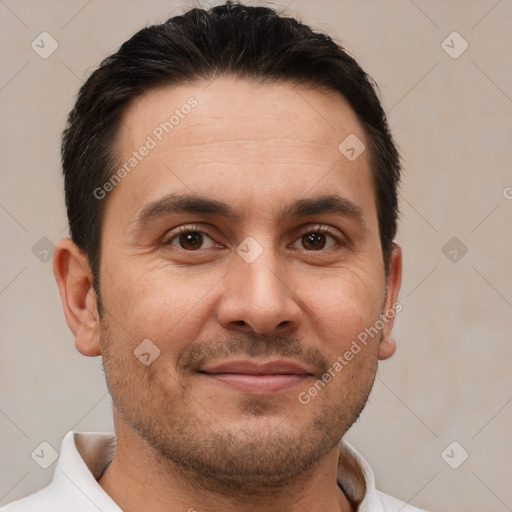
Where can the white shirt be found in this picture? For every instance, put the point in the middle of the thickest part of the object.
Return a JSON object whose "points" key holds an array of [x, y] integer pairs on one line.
{"points": [[85, 455]]}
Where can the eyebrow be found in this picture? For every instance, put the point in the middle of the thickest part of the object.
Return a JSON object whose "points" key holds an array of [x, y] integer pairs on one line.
{"points": [[190, 203]]}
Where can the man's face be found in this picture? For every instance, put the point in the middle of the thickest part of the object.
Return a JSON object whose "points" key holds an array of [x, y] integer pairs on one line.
{"points": [[267, 284]]}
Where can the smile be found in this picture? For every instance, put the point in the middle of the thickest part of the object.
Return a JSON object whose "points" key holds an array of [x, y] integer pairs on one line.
{"points": [[250, 377]]}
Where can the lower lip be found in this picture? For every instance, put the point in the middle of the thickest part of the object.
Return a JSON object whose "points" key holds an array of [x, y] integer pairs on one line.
{"points": [[250, 383]]}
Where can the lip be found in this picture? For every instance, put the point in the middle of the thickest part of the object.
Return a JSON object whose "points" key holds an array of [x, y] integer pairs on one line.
{"points": [[250, 367], [249, 376]]}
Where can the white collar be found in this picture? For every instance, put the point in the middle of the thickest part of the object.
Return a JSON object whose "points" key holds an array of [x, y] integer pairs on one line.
{"points": [[85, 455]]}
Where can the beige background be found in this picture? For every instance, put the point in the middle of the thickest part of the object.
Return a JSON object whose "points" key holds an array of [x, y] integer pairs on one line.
{"points": [[450, 379]]}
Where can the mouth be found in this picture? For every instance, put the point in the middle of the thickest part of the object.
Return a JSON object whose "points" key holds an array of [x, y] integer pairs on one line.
{"points": [[248, 376]]}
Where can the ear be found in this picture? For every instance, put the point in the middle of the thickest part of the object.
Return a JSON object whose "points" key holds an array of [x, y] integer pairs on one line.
{"points": [[391, 306], [74, 279]]}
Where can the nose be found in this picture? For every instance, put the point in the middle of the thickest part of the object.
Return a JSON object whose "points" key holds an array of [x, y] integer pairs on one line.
{"points": [[258, 297]]}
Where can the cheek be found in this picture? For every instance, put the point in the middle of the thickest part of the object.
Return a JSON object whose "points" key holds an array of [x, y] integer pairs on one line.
{"points": [[340, 308], [167, 306]]}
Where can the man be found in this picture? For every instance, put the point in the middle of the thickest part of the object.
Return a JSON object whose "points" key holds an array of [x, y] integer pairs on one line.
{"points": [[231, 188]]}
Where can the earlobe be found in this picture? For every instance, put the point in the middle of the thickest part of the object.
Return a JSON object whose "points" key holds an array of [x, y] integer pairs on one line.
{"points": [[391, 305], [74, 279]]}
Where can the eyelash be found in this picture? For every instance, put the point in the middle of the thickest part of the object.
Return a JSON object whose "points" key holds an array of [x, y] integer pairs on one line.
{"points": [[311, 229]]}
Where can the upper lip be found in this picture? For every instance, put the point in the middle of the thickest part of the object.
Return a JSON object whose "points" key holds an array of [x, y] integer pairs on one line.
{"points": [[251, 367]]}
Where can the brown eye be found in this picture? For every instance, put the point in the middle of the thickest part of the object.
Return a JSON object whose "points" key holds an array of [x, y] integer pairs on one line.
{"points": [[318, 239], [314, 240], [191, 240]]}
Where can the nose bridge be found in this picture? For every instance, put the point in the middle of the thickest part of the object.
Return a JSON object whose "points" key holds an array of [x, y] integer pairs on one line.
{"points": [[263, 278]]}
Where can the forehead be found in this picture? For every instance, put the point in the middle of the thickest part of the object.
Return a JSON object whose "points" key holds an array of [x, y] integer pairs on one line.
{"points": [[229, 136], [266, 109]]}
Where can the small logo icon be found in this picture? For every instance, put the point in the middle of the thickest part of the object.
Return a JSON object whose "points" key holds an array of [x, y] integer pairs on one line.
{"points": [[351, 147], [454, 455], [44, 455], [454, 249], [454, 45], [44, 45], [507, 192], [249, 250], [43, 249], [147, 352]]}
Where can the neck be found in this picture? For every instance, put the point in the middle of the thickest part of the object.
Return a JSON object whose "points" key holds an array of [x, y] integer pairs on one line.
{"points": [[139, 479]]}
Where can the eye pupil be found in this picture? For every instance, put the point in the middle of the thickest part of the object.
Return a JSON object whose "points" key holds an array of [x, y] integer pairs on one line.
{"points": [[192, 239], [314, 239]]}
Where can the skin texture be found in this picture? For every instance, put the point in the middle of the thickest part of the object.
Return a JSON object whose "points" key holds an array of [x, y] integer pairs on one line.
{"points": [[186, 440]]}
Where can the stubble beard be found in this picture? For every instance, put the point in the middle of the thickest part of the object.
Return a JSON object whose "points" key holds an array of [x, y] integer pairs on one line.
{"points": [[230, 460]]}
